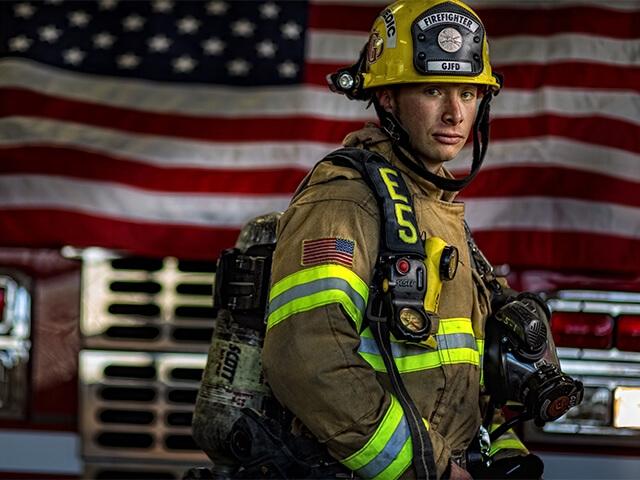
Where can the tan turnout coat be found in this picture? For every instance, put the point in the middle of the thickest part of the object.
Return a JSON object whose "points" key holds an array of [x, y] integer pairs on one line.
{"points": [[311, 359]]}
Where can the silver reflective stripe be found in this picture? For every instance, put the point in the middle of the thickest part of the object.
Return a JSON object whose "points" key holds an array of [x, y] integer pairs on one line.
{"points": [[316, 286], [445, 342], [369, 345], [388, 454], [456, 340]]}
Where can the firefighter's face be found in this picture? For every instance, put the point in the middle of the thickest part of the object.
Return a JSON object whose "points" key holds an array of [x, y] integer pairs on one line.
{"points": [[437, 117]]}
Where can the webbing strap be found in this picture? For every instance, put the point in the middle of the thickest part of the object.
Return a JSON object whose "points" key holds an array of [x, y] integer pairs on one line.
{"points": [[400, 235], [423, 457]]}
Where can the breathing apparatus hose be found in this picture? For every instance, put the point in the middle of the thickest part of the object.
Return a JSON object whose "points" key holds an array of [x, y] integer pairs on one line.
{"points": [[497, 433], [423, 460]]}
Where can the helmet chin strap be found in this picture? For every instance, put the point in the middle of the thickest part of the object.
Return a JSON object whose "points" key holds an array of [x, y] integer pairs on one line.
{"points": [[401, 143]]}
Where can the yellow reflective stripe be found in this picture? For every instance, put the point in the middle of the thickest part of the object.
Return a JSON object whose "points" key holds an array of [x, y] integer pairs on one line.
{"points": [[455, 325], [480, 343], [398, 467], [315, 300], [507, 441], [385, 455], [317, 286], [456, 344], [314, 273], [426, 360], [446, 326], [426, 424]]}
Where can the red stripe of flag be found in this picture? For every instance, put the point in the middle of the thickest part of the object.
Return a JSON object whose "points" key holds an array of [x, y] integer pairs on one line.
{"points": [[618, 134], [558, 250], [603, 131], [44, 228], [499, 22], [322, 257], [290, 128], [554, 182], [73, 163]]}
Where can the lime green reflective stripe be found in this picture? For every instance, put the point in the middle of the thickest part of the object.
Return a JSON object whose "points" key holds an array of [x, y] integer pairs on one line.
{"points": [[425, 361], [455, 325], [386, 454], [480, 343], [317, 286], [321, 271], [455, 344], [507, 441], [398, 467], [446, 326]]}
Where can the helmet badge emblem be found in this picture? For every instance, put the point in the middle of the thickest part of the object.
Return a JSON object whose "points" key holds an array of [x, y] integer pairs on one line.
{"points": [[450, 40], [375, 47]]}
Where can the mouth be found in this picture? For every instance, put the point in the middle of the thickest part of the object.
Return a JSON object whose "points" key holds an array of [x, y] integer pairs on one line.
{"points": [[448, 138]]}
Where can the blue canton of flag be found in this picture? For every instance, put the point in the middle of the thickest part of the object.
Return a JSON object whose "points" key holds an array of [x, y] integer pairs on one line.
{"points": [[232, 43], [345, 246]]}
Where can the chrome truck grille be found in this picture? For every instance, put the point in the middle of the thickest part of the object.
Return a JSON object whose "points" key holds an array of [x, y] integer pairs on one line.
{"points": [[147, 304], [138, 405], [146, 326]]}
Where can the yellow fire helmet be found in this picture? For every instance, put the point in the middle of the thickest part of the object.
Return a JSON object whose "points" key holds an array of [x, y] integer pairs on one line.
{"points": [[420, 41]]}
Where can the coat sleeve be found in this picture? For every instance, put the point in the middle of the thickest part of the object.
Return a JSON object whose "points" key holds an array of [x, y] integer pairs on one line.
{"points": [[508, 445], [310, 354]]}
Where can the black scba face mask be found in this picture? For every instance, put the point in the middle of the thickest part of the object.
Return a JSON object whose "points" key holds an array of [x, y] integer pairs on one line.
{"points": [[447, 40], [521, 364]]}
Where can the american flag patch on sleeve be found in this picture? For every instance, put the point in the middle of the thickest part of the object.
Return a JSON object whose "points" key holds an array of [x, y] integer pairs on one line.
{"points": [[328, 250]]}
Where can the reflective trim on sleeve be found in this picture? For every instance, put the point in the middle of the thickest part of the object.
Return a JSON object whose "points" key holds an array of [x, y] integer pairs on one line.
{"points": [[455, 344], [317, 286], [480, 342], [388, 453], [448, 341], [507, 441]]}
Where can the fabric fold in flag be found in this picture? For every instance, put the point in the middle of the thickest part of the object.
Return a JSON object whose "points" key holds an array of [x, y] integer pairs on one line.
{"points": [[224, 104]]}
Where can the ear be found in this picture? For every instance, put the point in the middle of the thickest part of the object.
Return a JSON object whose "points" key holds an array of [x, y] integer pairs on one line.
{"points": [[386, 99]]}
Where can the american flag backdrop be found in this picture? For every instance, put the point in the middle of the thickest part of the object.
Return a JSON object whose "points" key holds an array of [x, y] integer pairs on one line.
{"points": [[159, 127]]}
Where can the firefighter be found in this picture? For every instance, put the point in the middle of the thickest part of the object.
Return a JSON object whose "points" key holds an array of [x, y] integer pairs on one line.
{"points": [[426, 71]]}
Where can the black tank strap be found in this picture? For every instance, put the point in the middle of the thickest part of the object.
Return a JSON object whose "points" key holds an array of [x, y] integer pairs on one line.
{"points": [[400, 235]]}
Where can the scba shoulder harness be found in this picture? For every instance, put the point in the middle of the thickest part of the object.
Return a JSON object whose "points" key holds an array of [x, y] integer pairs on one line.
{"points": [[399, 286], [404, 293]]}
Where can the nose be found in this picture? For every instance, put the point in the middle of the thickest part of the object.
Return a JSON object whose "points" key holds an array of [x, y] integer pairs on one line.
{"points": [[452, 112]]}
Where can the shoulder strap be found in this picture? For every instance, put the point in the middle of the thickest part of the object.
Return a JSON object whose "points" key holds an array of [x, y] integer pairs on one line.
{"points": [[400, 236], [400, 233]]}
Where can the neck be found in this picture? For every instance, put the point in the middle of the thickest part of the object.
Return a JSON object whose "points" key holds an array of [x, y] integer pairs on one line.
{"points": [[433, 167], [428, 164]]}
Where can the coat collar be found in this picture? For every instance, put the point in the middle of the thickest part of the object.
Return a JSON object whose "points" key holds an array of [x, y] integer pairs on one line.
{"points": [[373, 138]]}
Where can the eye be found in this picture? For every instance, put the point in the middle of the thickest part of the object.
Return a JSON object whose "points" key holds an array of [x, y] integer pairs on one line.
{"points": [[468, 94], [432, 91]]}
